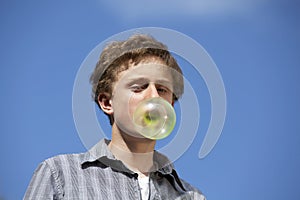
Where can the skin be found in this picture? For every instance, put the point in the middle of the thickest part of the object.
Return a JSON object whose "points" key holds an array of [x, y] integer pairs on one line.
{"points": [[148, 79]]}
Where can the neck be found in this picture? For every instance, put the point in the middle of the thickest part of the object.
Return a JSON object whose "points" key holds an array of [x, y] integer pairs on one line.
{"points": [[136, 153]]}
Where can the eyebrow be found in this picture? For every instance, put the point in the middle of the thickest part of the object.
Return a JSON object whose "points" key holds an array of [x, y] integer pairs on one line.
{"points": [[138, 79], [164, 82]]}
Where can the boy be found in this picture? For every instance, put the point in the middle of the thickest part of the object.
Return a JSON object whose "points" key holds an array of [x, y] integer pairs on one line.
{"points": [[127, 167]]}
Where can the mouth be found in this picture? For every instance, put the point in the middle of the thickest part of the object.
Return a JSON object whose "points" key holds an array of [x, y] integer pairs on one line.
{"points": [[154, 118], [151, 117]]}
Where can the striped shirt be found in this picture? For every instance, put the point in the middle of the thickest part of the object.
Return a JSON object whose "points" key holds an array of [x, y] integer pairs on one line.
{"points": [[96, 174]]}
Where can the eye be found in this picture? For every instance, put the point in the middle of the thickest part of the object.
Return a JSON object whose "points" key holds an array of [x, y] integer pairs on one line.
{"points": [[138, 88], [162, 90]]}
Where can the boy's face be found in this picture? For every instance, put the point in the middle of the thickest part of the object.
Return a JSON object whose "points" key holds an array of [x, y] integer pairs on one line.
{"points": [[140, 82]]}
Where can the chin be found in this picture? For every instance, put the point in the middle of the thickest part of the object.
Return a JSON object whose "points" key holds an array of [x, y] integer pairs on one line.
{"points": [[138, 137]]}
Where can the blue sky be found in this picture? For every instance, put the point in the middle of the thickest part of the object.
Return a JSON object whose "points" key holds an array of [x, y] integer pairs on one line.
{"points": [[255, 45]]}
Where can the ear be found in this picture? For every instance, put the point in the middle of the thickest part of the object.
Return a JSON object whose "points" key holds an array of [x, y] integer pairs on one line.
{"points": [[104, 100]]}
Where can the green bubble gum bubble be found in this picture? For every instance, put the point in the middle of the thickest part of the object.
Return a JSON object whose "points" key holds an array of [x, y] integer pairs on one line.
{"points": [[154, 118]]}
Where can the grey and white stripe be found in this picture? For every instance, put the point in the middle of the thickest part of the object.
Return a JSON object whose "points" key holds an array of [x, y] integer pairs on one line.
{"points": [[96, 174]]}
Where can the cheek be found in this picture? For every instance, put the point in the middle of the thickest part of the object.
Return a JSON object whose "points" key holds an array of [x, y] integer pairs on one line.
{"points": [[133, 102], [124, 104], [168, 98]]}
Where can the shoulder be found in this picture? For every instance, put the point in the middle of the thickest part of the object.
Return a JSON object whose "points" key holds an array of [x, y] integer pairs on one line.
{"points": [[51, 175], [191, 192], [59, 169], [191, 195], [67, 162], [189, 187], [64, 161]]}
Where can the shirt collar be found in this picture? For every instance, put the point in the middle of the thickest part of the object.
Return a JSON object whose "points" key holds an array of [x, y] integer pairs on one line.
{"points": [[100, 152]]}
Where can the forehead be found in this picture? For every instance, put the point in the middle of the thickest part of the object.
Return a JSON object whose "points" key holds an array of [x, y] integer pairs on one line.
{"points": [[153, 72]]}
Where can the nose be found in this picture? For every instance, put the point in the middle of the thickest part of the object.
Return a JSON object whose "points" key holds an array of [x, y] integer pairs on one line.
{"points": [[152, 91]]}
